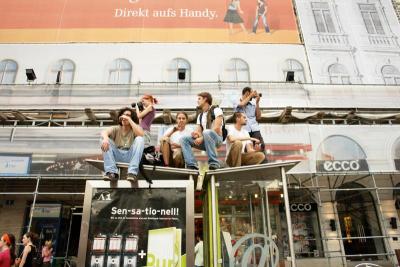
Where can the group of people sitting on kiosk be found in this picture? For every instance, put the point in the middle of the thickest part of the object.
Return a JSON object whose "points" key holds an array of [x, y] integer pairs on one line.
{"points": [[126, 141]]}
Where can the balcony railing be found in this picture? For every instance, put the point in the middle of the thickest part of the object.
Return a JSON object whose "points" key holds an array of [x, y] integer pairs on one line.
{"points": [[332, 39], [385, 41]]}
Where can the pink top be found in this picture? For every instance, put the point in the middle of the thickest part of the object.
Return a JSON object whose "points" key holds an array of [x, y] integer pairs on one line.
{"points": [[46, 251], [5, 258], [147, 120]]}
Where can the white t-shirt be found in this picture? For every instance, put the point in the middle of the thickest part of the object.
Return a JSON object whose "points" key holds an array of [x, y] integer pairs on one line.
{"points": [[217, 112], [176, 136], [232, 131], [198, 251]]}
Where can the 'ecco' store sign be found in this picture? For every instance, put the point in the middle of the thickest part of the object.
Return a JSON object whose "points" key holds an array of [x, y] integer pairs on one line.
{"points": [[342, 165], [298, 207]]}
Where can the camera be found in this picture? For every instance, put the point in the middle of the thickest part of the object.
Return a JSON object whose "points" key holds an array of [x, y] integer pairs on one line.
{"points": [[260, 95], [139, 104]]}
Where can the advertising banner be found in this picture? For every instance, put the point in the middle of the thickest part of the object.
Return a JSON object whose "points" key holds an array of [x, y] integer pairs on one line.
{"points": [[250, 21], [141, 227]]}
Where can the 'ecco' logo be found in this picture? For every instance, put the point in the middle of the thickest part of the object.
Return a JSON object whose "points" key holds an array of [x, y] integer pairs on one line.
{"points": [[300, 207], [344, 165]]}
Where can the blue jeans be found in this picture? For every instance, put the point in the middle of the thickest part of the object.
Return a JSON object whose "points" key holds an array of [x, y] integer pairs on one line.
{"points": [[131, 156], [211, 140]]}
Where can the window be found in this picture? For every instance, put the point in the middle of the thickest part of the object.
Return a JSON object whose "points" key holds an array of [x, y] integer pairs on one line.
{"points": [[63, 72], [178, 70], [371, 19], [8, 71], [237, 70], [322, 17], [120, 72], [390, 74], [297, 68], [338, 74]]}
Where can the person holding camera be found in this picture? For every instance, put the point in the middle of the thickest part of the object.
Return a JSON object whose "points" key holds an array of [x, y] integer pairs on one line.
{"points": [[123, 143], [146, 113], [250, 105], [170, 145]]}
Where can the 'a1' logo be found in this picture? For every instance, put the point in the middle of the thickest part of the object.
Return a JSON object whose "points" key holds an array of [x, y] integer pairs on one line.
{"points": [[104, 196]]}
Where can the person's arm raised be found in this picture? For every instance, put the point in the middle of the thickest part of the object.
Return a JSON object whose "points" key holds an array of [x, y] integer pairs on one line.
{"points": [[138, 131], [145, 111]]}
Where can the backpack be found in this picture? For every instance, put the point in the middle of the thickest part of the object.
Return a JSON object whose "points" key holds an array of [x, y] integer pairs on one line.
{"points": [[150, 157], [224, 130]]}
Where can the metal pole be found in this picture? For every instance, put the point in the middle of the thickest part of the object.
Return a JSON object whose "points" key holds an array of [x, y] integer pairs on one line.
{"points": [[269, 263], [325, 244], [251, 222], [288, 218], [268, 215], [382, 221], [263, 215], [33, 203], [69, 235], [214, 221]]}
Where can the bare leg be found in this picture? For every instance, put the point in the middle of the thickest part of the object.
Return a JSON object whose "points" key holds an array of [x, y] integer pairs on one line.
{"points": [[165, 150], [230, 28]]}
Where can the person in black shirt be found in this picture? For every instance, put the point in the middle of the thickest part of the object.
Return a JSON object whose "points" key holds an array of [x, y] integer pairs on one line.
{"points": [[29, 252]]}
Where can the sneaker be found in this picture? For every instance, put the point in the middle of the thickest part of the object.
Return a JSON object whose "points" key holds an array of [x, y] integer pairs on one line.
{"points": [[192, 168], [131, 177], [110, 176], [213, 167]]}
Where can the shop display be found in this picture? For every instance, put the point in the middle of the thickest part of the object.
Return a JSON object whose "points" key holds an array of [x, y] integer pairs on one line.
{"points": [[304, 227]]}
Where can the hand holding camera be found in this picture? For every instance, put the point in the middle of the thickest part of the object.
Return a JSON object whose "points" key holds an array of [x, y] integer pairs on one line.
{"points": [[256, 95], [139, 105]]}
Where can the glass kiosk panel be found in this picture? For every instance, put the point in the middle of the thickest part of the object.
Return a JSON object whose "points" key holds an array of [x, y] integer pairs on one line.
{"points": [[243, 224]]}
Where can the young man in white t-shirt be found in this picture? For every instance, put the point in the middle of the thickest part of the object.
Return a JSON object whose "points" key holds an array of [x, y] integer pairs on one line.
{"points": [[239, 145], [170, 145], [207, 136]]}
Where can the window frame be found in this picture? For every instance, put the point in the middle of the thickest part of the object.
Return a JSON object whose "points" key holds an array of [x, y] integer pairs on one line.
{"points": [[173, 68], [60, 66], [234, 71], [341, 77], [325, 17], [393, 78], [115, 67], [368, 13], [297, 72], [6, 71]]}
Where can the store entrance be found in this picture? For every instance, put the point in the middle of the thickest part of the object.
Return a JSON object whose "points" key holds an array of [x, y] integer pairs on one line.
{"points": [[361, 232]]}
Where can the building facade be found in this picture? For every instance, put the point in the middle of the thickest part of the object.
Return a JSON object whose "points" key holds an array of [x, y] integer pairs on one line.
{"points": [[338, 115], [350, 42]]}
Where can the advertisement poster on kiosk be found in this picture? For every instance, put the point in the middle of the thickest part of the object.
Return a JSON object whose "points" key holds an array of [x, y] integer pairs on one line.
{"points": [[141, 227]]}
